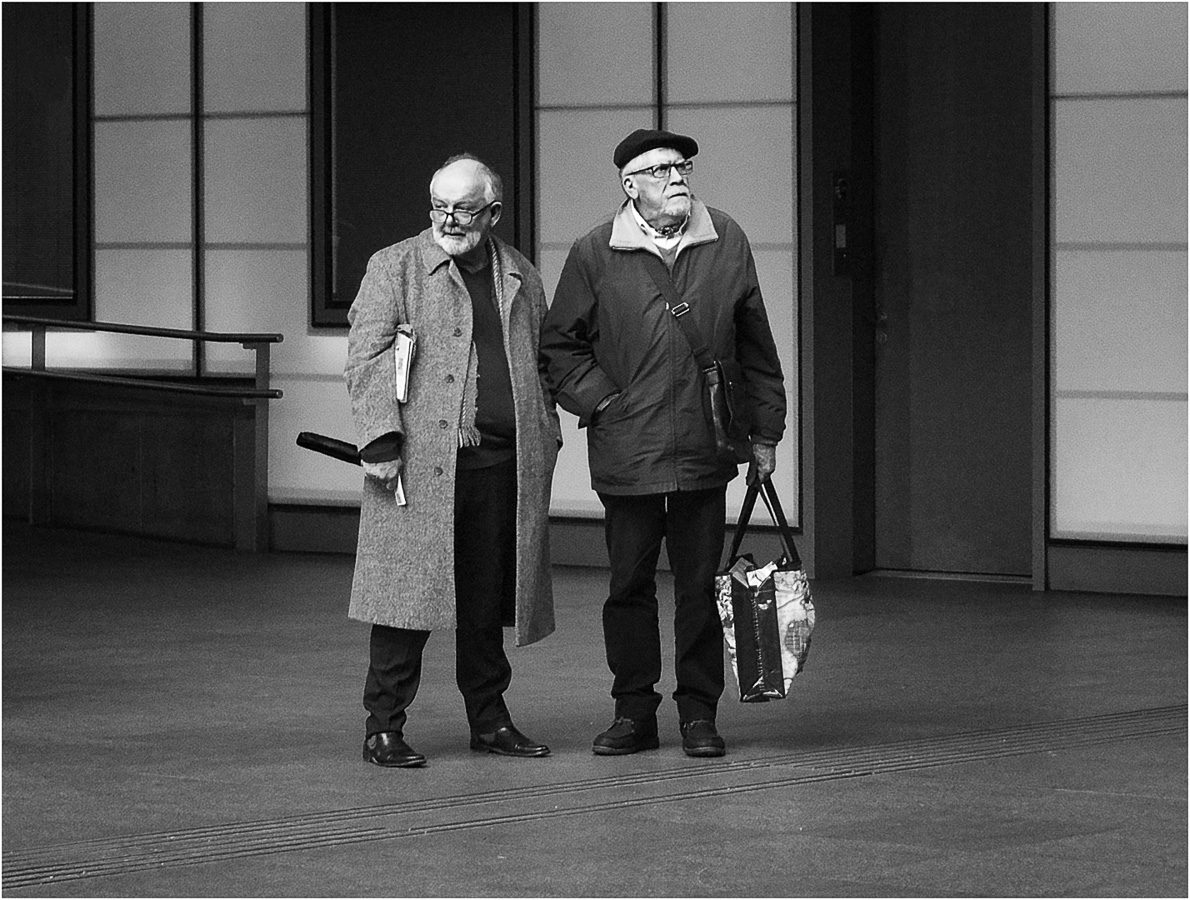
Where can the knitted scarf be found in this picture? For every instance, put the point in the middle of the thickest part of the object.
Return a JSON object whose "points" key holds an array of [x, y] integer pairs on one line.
{"points": [[468, 432]]}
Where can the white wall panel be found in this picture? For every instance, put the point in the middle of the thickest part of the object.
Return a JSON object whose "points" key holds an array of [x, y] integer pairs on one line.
{"points": [[254, 57], [777, 272], [296, 475], [1120, 469], [1120, 170], [578, 184], [1119, 47], [572, 494], [258, 291], [745, 165], [1120, 320], [549, 264], [730, 52], [142, 182], [151, 287], [595, 54], [256, 182], [141, 58]]}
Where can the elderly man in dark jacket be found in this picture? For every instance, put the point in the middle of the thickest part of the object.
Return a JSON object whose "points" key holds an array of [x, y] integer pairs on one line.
{"points": [[619, 360]]}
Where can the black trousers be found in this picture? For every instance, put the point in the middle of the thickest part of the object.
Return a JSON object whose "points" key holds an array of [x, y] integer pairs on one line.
{"points": [[692, 524], [485, 592]]}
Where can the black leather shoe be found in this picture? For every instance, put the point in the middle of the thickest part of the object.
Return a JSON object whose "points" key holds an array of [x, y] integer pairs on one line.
{"points": [[507, 741], [388, 748], [627, 736], [699, 738]]}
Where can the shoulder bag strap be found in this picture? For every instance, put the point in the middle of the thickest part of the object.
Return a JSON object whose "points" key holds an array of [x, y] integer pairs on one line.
{"points": [[679, 309]]}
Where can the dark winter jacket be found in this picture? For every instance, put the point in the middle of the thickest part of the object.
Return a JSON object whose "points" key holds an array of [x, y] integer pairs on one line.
{"points": [[609, 332]]}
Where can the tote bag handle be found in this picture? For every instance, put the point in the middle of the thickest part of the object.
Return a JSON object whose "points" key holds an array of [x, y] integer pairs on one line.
{"points": [[769, 494]]}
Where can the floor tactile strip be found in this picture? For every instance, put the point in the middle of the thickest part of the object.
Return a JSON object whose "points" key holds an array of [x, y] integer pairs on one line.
{"points": [[195, 846]]}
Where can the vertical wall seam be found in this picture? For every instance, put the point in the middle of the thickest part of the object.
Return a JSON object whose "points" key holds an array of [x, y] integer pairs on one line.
{"points": [[660, 70], [198, 224]]}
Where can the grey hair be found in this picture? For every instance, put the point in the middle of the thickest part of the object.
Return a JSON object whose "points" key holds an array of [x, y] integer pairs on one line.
{"points": [[494, 187]]}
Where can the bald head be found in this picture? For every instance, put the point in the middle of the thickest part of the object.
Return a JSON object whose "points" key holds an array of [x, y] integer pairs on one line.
{"points": [[465, 171]]}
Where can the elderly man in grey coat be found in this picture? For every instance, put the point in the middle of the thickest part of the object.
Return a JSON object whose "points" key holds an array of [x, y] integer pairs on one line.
{"points": [[453, 521]]}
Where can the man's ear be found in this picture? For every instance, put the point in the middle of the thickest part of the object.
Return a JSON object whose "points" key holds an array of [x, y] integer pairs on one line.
{"points": [[629, 186], [497, 208]]}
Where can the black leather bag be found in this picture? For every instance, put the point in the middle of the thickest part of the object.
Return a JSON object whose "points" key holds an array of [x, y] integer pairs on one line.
{"points": [[728, 410], [725, 396]]}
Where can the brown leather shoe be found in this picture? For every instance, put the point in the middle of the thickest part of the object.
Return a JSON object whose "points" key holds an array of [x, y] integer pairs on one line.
{"points": [[507, 741], [388, 748]]}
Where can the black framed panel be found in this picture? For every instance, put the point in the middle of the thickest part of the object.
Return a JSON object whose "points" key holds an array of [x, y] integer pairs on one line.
{"points": [[397, 88], [47, 160]]}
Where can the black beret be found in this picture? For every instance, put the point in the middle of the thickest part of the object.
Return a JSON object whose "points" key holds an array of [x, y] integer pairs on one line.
{"points": [[643, 140]]}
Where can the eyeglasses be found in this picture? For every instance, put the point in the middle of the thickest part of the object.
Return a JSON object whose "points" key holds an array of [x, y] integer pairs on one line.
{"points": [[462, 216], [662, 173]]}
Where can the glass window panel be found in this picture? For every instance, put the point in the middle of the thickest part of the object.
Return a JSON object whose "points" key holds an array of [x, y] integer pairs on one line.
{"points": [[142, 58], [297, 475], [1120, 320], [43, 165], [254, 57], [578, 185], [1120, 170], [256, 181], [258, 291], [1117, 47], [142, 182], [745, 165], [1120, 469], [595, 54], [729, 51]]}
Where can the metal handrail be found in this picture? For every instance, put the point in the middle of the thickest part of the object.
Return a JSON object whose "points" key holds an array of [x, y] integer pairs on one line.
{"points": [[250, 495], [146, 384], [147, 331], [257, 343]]}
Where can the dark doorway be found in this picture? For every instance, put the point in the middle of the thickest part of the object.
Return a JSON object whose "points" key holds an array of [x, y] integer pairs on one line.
{"points": [[953, 152]]}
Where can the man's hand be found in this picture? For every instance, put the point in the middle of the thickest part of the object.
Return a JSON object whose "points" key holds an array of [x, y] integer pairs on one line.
{"points": [[602, 405], [386, 473], [764, 461]]}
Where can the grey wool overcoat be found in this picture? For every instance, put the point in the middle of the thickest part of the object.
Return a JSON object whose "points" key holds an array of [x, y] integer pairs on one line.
{"points": [[404, 568]]}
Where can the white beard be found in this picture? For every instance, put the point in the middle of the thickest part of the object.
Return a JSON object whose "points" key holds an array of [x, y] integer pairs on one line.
{"points": [[458, 246]]}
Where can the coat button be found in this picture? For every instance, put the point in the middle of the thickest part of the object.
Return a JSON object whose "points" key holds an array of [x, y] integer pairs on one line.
{"points": [[458, 332], [437, 470], [450, 379], [442, 423]]}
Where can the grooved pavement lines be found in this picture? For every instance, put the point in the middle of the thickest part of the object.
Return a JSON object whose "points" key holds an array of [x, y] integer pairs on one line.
{"points": [[690, 781]]}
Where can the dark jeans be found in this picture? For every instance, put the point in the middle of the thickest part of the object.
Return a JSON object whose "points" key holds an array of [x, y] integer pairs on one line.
{"points": [[692, 524], [485, 583]]}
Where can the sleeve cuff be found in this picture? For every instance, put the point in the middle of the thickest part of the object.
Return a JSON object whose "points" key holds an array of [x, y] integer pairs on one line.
{"points": [[385, 448]]}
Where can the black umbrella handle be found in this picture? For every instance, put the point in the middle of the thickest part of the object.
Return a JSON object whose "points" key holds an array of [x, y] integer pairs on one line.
{"points": [[330, 446]]}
